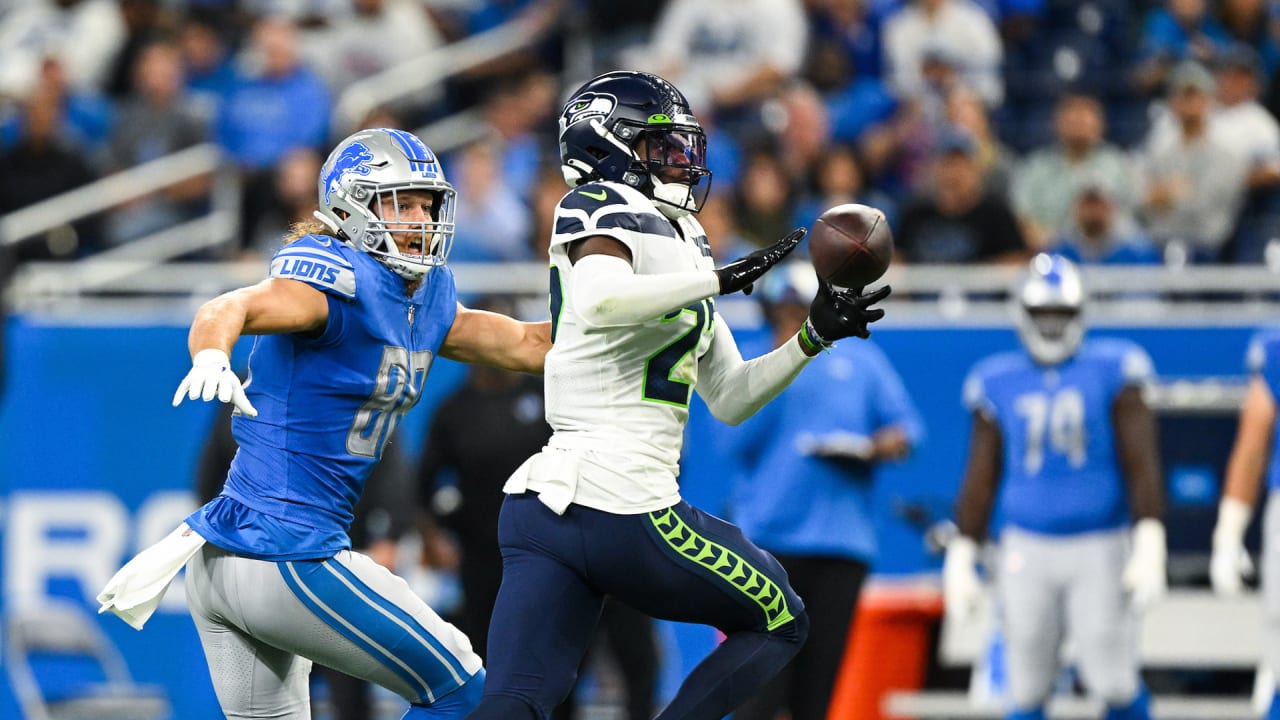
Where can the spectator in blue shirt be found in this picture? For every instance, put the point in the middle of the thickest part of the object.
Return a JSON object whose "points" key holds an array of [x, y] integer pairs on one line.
{"points": [[277, 104], [1182, 30], [1100, 233], [806, 491], [206, 56]]}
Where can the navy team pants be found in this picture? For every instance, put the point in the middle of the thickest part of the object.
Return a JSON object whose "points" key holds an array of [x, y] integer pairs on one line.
{"points": [[677, 564]]}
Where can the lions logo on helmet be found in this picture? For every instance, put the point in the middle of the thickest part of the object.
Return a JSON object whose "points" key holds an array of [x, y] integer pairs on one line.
{"points": [[373, 164], [353, 158], [1050, 309]]}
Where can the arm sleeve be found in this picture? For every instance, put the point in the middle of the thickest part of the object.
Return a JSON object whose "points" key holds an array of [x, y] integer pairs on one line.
{"points": [[733, 388], [607, 292]]}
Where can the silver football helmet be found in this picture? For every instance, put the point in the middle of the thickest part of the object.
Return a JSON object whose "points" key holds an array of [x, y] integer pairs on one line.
{"points": [[378, 163], [1050, 309]]}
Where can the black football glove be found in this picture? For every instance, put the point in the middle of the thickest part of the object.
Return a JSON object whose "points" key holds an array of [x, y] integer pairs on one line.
{"points": [[836, 315], [741, 273]]}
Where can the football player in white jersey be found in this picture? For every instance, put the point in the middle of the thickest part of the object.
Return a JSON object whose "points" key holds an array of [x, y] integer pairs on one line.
{"points": [[598, 512]]}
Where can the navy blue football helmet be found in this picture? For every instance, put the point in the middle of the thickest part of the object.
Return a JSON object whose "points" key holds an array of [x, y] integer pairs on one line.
{"points": [[637, 129]]}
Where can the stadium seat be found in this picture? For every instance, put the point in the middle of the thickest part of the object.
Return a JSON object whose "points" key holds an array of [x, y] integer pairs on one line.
{"points": [[63, 667]]}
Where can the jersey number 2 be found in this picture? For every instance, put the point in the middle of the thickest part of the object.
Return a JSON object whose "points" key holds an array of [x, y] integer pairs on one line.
{"points": [[1059, 416], [659, 385]]}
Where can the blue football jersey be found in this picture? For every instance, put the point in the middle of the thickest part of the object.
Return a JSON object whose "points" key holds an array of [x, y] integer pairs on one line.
{"points": [[327, 404], [1060, 470], [836, 517], [1263, 359]]}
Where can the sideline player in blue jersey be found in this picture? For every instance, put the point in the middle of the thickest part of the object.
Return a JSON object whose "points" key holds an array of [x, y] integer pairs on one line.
{"points": [[1062, 436], [355, 309], [1256, 453], [806, 493], [598, 512]]}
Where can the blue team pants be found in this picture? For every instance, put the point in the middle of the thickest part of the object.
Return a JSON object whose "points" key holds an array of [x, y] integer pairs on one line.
{"points": [[677, 564]]}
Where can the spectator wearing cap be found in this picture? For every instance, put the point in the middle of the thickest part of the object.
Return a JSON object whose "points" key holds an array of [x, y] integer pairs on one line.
{"points": [[955, 220], [898, 153], [1080, 154], [964, 109], [1244, 124], [1192, 181], [1099, 231]]}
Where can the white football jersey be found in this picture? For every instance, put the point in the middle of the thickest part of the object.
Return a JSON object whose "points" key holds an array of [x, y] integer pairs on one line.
{"points": [[618, 398]]}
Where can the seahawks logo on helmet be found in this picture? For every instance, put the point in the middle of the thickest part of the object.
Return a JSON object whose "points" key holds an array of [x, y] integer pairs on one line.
{"points": [[587, 106], [353, 159]]}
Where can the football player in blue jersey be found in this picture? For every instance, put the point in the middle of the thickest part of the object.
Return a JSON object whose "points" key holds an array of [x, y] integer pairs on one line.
{"points": [[1256, 454], [355, 309], [1064, 444], [598, 511]]}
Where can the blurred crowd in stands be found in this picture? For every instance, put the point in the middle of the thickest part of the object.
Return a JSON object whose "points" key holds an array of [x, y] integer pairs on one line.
{"points": [[1115, 131]]}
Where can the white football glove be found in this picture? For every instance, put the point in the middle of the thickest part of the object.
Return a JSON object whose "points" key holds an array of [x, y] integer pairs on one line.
{"points": [[961, 586], [211, 375], [1229, 564], [1144, 575]]}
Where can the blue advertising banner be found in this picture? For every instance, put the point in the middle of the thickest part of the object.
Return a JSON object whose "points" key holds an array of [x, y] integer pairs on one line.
{"points": [[95, 464]]}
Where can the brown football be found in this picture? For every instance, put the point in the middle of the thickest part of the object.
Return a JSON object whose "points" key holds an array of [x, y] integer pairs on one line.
{"points": [[851, 245]]}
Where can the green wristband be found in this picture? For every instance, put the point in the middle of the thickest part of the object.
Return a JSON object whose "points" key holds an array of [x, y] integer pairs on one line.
{"points": [[811, 339]]}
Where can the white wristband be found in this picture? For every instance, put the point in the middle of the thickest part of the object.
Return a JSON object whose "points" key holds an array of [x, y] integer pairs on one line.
{"points": [[1149, 533], [211, 357], [962, 550], [1233, 521]]}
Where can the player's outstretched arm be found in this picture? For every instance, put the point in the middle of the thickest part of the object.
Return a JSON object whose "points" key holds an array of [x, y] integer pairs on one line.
{"points": [[735, 389], [1229, 563], [961, 586], [1136, 446], [272, 306], [743, 272], [493, 339]]}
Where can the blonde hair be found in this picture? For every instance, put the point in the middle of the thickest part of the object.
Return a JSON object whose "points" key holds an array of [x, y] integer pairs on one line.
{"points": [[302, 228]]}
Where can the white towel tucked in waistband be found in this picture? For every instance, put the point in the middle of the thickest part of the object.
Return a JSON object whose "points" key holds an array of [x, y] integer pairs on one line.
{"points": [[553, 474], [136, 589]]}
